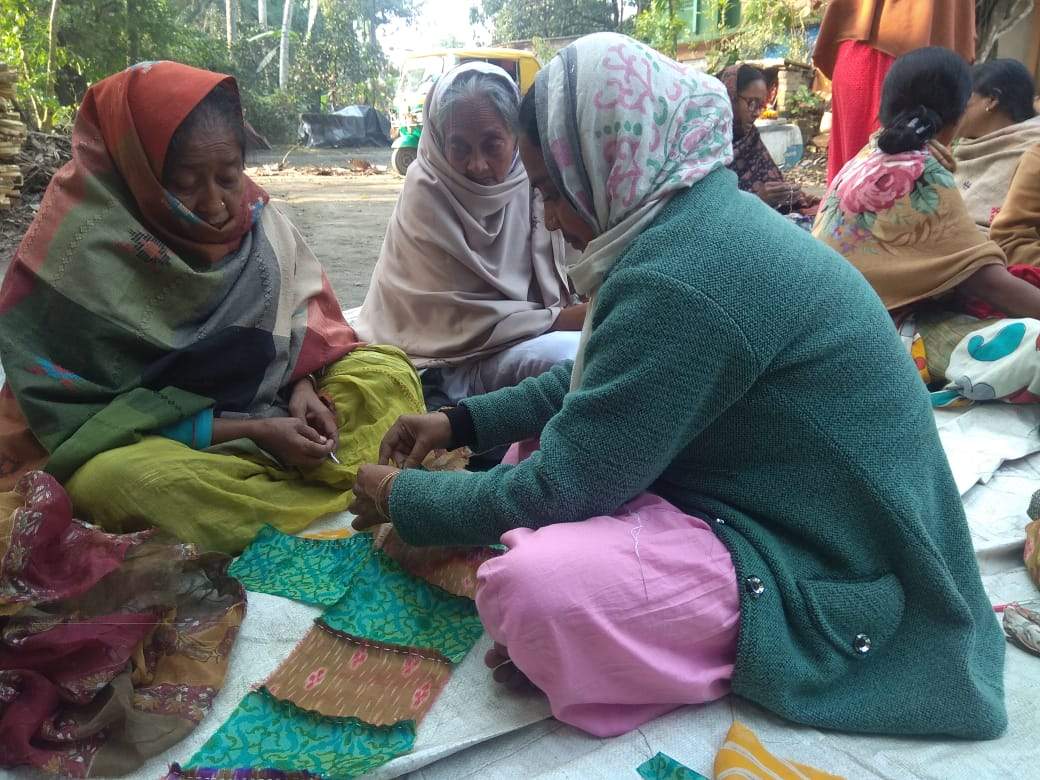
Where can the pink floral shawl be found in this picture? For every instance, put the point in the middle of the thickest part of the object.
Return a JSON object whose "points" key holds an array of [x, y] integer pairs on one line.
{"points": [[900, 219]]}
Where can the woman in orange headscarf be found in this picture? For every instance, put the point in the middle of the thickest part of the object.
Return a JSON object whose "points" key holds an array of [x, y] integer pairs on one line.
{"points": [[159, 307], [860, 39]]}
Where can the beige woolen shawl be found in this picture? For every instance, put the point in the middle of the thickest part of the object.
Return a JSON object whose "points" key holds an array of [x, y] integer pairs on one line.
{"points": [[986, 165], [466, 270]]}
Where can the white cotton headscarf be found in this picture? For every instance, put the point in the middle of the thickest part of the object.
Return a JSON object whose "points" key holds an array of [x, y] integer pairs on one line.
{"points": [[622, 129], [466, 270]]}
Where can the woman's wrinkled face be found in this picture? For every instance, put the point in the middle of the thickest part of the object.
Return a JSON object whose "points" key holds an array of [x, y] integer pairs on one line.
{"points": [[749, 104], [559, 213], [478, 144], [207, 176]]}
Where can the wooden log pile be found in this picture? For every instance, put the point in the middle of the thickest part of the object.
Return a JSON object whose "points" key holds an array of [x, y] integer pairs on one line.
{"points": [[12, 136]]}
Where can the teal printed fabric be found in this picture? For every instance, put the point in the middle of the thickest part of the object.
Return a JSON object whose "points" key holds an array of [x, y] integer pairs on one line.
{"points": [[267, 732], [387, 605], [663, 767], [314, 571]]}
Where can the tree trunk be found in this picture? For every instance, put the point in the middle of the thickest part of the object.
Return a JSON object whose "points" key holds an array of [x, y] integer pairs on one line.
{"points": [[133, 35], [283, 51], [261, 14], [231, 20], [312, 17], [49, 75], [993, 18]]}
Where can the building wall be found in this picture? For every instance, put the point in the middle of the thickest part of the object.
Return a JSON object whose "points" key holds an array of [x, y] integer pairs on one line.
{"points": [[1022, 42]]}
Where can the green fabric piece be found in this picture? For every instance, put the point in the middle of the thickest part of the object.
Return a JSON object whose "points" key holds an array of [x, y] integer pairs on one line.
{"points": [[743, 371], [266, 732], [314, 571], [663, 767], [385, 604]]}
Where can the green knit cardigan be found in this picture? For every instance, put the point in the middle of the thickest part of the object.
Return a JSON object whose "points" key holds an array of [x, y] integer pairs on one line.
{"points": [[748, 374]]}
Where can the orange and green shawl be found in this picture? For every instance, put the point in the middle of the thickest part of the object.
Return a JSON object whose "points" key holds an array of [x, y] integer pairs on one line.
{"points": [[123, 313]]}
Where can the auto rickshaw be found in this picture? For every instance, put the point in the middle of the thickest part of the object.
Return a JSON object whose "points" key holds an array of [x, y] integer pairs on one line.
{"points": [[420, 72]]}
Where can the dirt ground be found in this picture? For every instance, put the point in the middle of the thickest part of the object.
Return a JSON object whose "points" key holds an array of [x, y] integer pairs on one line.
{"points": [[343, 218]]}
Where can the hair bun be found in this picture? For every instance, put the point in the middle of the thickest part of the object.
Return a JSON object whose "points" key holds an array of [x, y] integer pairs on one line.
{"points": [[910, 131]]}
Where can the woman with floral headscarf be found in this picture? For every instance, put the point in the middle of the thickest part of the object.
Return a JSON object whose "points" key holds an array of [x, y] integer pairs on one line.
{"points": [[739, 485]]}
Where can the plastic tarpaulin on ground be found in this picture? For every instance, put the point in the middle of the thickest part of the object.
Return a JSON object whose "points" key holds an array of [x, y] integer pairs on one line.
{"points": [[350, 126]]}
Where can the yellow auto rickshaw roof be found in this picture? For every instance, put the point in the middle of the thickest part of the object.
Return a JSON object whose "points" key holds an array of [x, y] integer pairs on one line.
{"points": [[488, 53]]}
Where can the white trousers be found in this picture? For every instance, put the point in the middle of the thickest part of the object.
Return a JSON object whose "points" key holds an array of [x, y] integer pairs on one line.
{"points": [[510, 366]]}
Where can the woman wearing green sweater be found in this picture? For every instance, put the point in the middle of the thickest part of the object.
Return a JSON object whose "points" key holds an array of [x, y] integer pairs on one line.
{"points": [[739, 484]]}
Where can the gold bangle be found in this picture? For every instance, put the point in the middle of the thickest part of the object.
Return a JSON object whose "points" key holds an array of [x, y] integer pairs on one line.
{"points": [[383, 495]]}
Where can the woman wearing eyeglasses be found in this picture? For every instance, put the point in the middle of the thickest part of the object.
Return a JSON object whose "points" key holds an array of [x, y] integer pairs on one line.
{"points": [[755, 169]]}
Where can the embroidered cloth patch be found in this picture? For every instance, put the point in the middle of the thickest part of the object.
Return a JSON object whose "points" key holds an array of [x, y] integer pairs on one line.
{"points": [[342, 678], [314, 571], [266, 732]]}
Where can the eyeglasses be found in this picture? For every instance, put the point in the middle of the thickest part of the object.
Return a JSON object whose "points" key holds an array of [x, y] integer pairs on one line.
{"points": [[754, 105]]}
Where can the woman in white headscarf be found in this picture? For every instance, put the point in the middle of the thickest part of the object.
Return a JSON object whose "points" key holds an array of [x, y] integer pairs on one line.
{"points": [[469, 280], [739, 484]]}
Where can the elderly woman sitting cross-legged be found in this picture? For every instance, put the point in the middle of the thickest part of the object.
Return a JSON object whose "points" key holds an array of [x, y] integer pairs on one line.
{"points": [[158, 307], [469, 281]]}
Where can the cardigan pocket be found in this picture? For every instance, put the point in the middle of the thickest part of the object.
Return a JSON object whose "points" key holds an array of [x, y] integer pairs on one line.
{"points": [[858, 617]]}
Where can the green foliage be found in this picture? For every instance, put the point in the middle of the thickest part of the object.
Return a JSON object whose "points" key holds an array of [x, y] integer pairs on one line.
{"points": [[275, 116], [24, 36], [659, 25], [803, 103], [543, 49], [517, 20], [763, 23], [340, 62]]}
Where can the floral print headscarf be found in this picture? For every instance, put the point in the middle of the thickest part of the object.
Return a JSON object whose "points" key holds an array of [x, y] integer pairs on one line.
{"points": [[622, 129]]}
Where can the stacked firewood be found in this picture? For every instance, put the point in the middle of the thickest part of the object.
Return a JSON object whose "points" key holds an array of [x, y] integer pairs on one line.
{"points": [[12, 136]]}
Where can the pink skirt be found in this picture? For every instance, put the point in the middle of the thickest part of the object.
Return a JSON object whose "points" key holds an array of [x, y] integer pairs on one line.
{"points": [[617, 619]]}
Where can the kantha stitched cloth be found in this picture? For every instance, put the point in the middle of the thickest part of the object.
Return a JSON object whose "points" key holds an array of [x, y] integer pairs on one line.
{"points": [[341, 677], [664, 767], [309, 570], [266, 732], [367, 672], [387, 605], [371, 596]]}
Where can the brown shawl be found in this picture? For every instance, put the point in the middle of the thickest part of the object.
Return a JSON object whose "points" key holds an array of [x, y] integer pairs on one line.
{"points": [[896, 27]]}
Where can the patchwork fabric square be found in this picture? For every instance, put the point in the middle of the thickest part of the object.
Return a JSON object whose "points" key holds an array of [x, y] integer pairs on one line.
{"points": [[266, 732], [341, 677], [314, 571], [386, 605]]}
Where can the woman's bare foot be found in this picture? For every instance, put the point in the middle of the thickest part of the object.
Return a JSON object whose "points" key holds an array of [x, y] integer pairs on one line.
{"points": [[503, 670]]}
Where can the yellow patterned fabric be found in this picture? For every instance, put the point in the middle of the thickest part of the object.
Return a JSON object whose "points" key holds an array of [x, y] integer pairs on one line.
{"points": [[220, 498], [742, 756]]}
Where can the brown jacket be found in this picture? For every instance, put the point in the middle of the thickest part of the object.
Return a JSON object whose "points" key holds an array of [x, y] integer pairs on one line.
{"points": [[896, 27], [1017, 227]]}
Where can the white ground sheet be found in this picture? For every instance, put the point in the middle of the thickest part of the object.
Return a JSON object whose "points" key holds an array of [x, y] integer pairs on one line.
{"points": [[477, 730]]}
